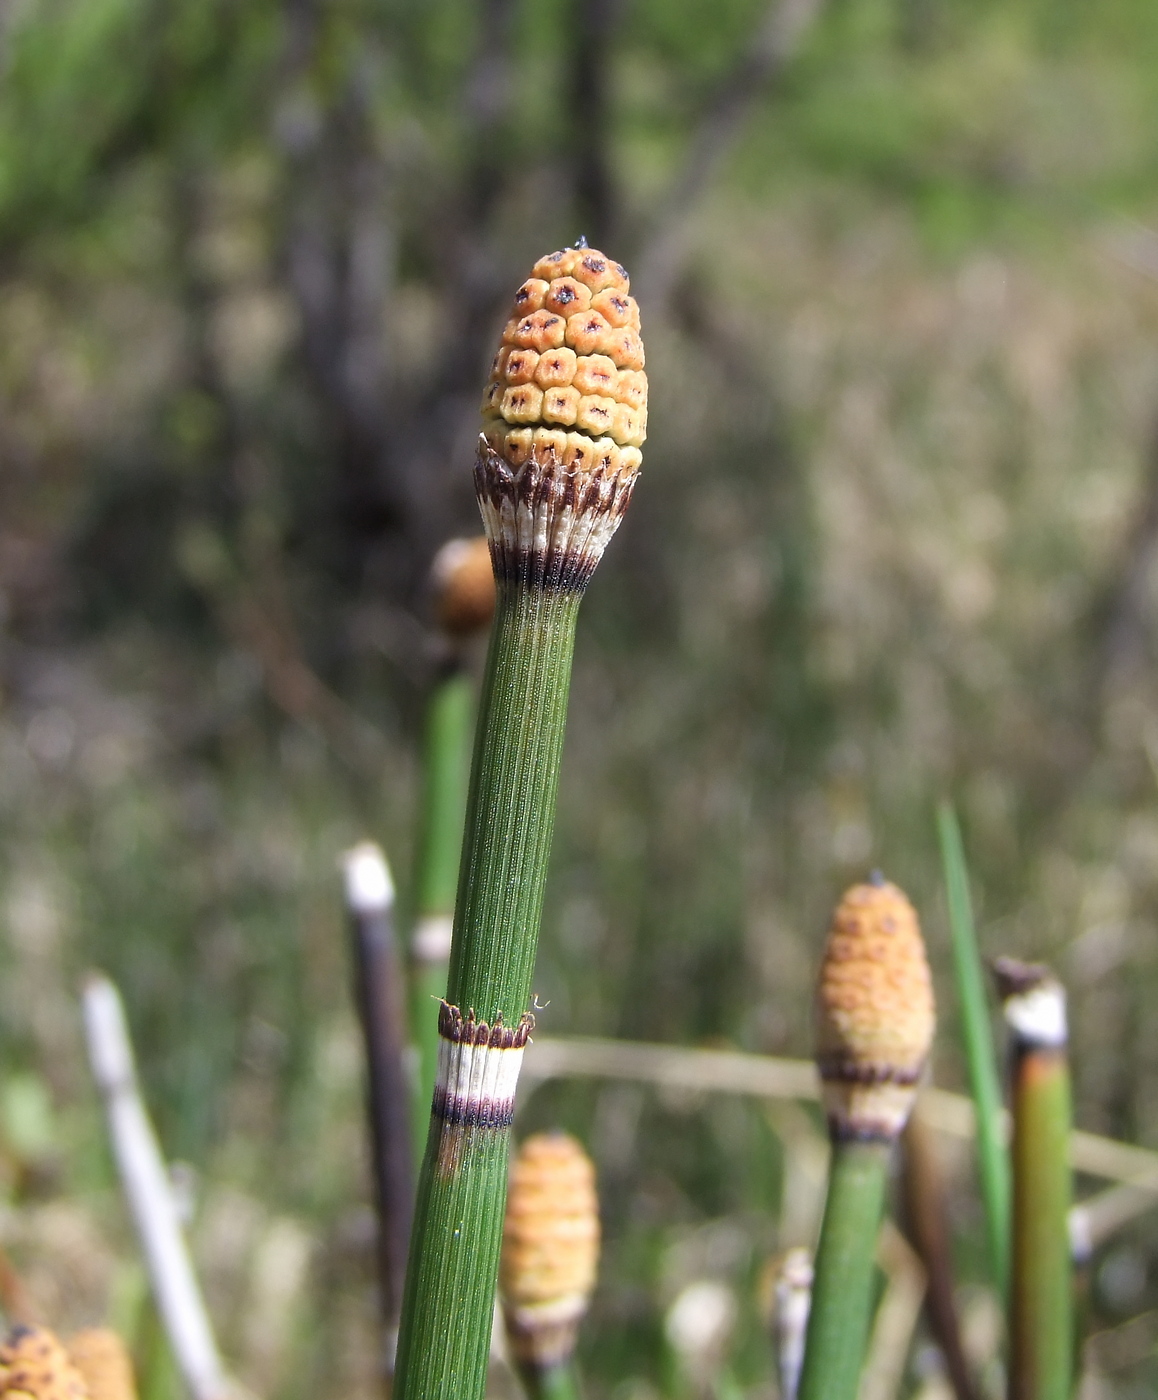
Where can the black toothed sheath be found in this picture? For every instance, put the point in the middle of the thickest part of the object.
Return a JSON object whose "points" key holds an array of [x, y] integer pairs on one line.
{"points": [[555, 471]]}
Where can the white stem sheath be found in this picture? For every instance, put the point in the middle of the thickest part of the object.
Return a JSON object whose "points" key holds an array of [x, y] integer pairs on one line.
{"points": [[149, 1194], [369, 888]]}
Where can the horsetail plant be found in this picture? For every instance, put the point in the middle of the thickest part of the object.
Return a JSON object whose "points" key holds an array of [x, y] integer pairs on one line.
{"points": [[875, 1022], [1041, 1308], [549, 1260], [463, 588], [564, 414], [381, 999], [980, 1054]]}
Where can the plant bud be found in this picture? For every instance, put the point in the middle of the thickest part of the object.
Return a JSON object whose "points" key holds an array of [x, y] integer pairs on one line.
{"points": [[464, 586], [875, 1014], [550, 1248]]}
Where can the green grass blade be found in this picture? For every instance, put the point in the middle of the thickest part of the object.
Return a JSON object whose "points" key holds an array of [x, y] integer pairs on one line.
{"points": [[980, 1051]]}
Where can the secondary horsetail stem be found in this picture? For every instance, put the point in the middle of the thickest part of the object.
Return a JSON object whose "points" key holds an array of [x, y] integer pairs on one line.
{"points": [[549, 1260], [381, 1000], [875, 1020], [563, 416], [1041, 1323], [463, 588]]}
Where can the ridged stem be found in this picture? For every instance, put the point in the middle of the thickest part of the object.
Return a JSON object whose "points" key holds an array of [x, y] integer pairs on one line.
{"points": [[842, 1289], [980, 1052], [1041, 1296], [446, 1321], [511, 807], [445, 777]]}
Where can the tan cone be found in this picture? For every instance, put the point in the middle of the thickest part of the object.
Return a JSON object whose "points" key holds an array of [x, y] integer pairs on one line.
{"points": [[569, 376], [34, 1363], [550, 1248], [874, 1012]]}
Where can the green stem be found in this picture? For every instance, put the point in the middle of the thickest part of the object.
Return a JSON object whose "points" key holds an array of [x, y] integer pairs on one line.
{"points": [[446, 772], [557, 1382], [842, 1289], [1041, 1298], [511, 809], [980, 1052], [446, 1322]]}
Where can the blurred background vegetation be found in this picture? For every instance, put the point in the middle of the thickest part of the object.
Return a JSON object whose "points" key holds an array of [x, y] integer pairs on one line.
{"points": [[897, 538]]}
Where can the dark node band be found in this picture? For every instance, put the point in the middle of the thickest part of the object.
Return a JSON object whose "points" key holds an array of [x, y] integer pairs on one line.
{"points": [[841, 1130], [467, 1030], [459, 1112], [841, 1070]]}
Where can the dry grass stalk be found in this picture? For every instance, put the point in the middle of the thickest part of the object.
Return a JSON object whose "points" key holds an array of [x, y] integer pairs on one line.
{"points": [[149, 1194]]}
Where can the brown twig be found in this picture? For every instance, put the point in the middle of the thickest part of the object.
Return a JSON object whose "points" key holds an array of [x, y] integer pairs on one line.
{"points": [[925, 1208]]}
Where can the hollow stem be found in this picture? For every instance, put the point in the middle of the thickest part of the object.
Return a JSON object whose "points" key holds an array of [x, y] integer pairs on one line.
{"points": [[446, 772], [980, 1051], [1041, 1305], [446, 1323], [1041, 1311], [842, 1289]]}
